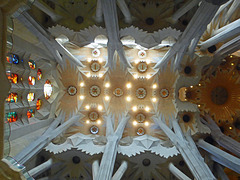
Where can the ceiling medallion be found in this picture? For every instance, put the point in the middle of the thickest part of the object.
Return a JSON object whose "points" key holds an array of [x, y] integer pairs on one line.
{"points": [[95, 66], [142, 67], [140, 117], [94, 129], [72, 90], [95, 53], [141, 93], [142, 54], [93, 116], [95, 91], [140, 131], [118, 92], [164, 93]]}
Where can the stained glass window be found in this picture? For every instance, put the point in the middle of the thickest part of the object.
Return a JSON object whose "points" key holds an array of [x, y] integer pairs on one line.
{"points": [[39, 104], [31, 80], [12, 58], [30, 113], [39, 74], [12, 97], [30, 97], [13, 78], [11, 117], [32, 64], [47, 89]]}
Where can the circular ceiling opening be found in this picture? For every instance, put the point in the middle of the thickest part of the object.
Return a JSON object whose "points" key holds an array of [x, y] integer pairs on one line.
{"points": [[187, 70], [76, 160], [186, 118], [212, 49], [146, 162], [149, 21], [79, 19], [219, 95]]}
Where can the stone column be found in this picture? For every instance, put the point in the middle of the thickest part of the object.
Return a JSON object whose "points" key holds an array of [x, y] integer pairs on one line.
{"points": [[195, 29], [52, 132], [95, 168], [187, 148], [123, 6], [179, 174], [43, 7], [184, 9], [221, 156], [231, 31], [109, 156], [41, 168], [121, 170], [223, 140]]}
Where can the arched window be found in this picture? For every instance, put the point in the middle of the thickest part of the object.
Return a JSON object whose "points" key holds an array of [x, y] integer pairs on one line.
{"points": [[39, 74], [13, 78], [12, 97], [11, 117], [12, 58], [30, 97], [47, 89], [30, 113], [31, 80], [39, 104], [32, 64]]}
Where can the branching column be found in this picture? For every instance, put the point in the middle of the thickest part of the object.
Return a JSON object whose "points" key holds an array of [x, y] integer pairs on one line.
{"points": [[221, 156], [109, 156], [188, 150], [43, 140], [192, 33], [223, 140], [180, 175], [111, 21]]}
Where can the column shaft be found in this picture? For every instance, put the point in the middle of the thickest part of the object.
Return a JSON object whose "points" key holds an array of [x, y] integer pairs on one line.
{"points": [[41, 168], [180, 175], [121, 170]]}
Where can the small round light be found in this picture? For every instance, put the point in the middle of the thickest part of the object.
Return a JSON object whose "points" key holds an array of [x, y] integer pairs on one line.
{"points": [[99, 122], [88, 74], [129, 85], [154, 86], [191, 86], [134, 108], [199, 85], [231, 56], [230, 127], [136, 61], [81, 97], [107, 98], [146, 123], [199, 105], [232, 64], [87, 107], [147, 109], [100, 75], [154, 99], [82, 84], [148, 61], [100, 60], [135, 123], [87, 121], [128, 98], [107, 85], [148, 76], [89, 60], [135, 76], [100, 107]]}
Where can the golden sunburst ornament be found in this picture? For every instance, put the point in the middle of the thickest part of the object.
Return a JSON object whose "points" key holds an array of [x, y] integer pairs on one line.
{"points": [[220, 96]]}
